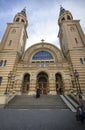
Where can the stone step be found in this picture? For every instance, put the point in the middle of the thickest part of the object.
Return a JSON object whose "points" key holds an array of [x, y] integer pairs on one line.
{"points": [[30, 102], [36, 107]]}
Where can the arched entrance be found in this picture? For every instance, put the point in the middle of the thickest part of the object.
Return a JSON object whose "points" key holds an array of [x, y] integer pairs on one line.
{"points": [[42, 82], [59, 83], [26, 83]]}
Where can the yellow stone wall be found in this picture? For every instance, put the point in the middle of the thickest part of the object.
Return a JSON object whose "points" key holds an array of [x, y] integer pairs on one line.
{"points": [[65, 60]]}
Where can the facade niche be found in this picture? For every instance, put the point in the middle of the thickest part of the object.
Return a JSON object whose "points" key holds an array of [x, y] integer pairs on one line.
{"points": [[26, 83], [59, 83]]}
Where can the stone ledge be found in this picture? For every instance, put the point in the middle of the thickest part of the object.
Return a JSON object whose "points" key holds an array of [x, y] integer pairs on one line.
{"points": [[4, 99]]}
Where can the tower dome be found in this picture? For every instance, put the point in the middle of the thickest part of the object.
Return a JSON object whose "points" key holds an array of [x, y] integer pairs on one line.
{"points": [[62, 10], [23, 12], [64, 15], [21, 17]]}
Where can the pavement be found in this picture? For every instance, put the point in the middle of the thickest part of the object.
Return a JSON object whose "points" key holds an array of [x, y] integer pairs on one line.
{"points": [[39, 119]]}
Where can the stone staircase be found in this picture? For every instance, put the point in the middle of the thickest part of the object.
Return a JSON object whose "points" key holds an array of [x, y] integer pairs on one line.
{"points": [[30, 102]]}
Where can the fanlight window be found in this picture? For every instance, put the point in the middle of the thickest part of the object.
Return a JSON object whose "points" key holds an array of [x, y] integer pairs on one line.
{"points": [[42, 55]]}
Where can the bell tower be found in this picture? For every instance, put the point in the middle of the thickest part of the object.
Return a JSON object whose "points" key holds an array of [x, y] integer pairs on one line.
{"points": [[15, 36], [72, 42], [12, 48], [70, 34]]}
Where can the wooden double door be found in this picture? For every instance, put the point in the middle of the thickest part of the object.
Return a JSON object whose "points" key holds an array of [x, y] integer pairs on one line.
{"points": [[42, 82], [43, 87]]}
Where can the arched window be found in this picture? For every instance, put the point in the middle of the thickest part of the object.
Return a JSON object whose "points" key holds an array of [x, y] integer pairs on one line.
{"points": [[10, 42], [1, 62], [76, 40], [81, 60], [63, 19], [27, 77], [0, 80], [59, 83], [26, 83], [17, 20], [22, 20], [42, 55], [5, 62], [68, 17]]}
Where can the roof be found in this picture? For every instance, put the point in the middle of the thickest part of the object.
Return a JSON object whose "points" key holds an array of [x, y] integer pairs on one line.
{"points": [[62, 10], [23, 12]]}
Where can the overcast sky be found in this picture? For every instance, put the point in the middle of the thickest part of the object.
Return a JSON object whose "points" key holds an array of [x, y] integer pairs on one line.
{"points": [[42, 17]]}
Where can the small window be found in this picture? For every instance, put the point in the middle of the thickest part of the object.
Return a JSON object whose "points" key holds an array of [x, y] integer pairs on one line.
{"points": [[1, 63], [17, 20], [68, 17], [84, 60], [10, 42], [5, 62], [81, 60], [76, 40], [22, 20], [63, 19], [0, 80]]}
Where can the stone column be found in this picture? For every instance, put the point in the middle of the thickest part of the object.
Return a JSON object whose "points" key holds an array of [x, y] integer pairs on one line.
{"points": [[32, 89], [52, 85]]}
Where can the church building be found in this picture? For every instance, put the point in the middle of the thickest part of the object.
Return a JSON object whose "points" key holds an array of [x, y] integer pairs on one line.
{"points": [[43, 65]]}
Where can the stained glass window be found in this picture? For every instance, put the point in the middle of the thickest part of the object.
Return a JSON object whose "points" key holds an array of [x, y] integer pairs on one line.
{"points": [[42, 55]]}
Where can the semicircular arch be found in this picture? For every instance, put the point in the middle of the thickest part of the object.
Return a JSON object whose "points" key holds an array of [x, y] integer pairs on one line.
{"points": [[50, 48]]}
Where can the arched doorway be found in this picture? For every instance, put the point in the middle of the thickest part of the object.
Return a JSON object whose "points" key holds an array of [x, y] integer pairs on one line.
{"points": [[42, 82], [59, 83], [26, 83]]}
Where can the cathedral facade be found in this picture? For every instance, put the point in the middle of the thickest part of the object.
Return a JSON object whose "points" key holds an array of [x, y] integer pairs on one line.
{"points": [[43, 65]]}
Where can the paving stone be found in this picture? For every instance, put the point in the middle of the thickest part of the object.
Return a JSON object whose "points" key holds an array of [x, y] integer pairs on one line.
{"points": [[53, 119]]}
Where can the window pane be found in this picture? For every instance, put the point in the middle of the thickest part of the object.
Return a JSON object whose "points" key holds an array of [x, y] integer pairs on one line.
{"points": [[81, 60], [5, 62], [0, 80], [1, 62], [42, 55]]}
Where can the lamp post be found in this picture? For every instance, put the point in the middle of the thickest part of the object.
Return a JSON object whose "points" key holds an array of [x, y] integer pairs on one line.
{"points": [[9, 78], [76, 74]]}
